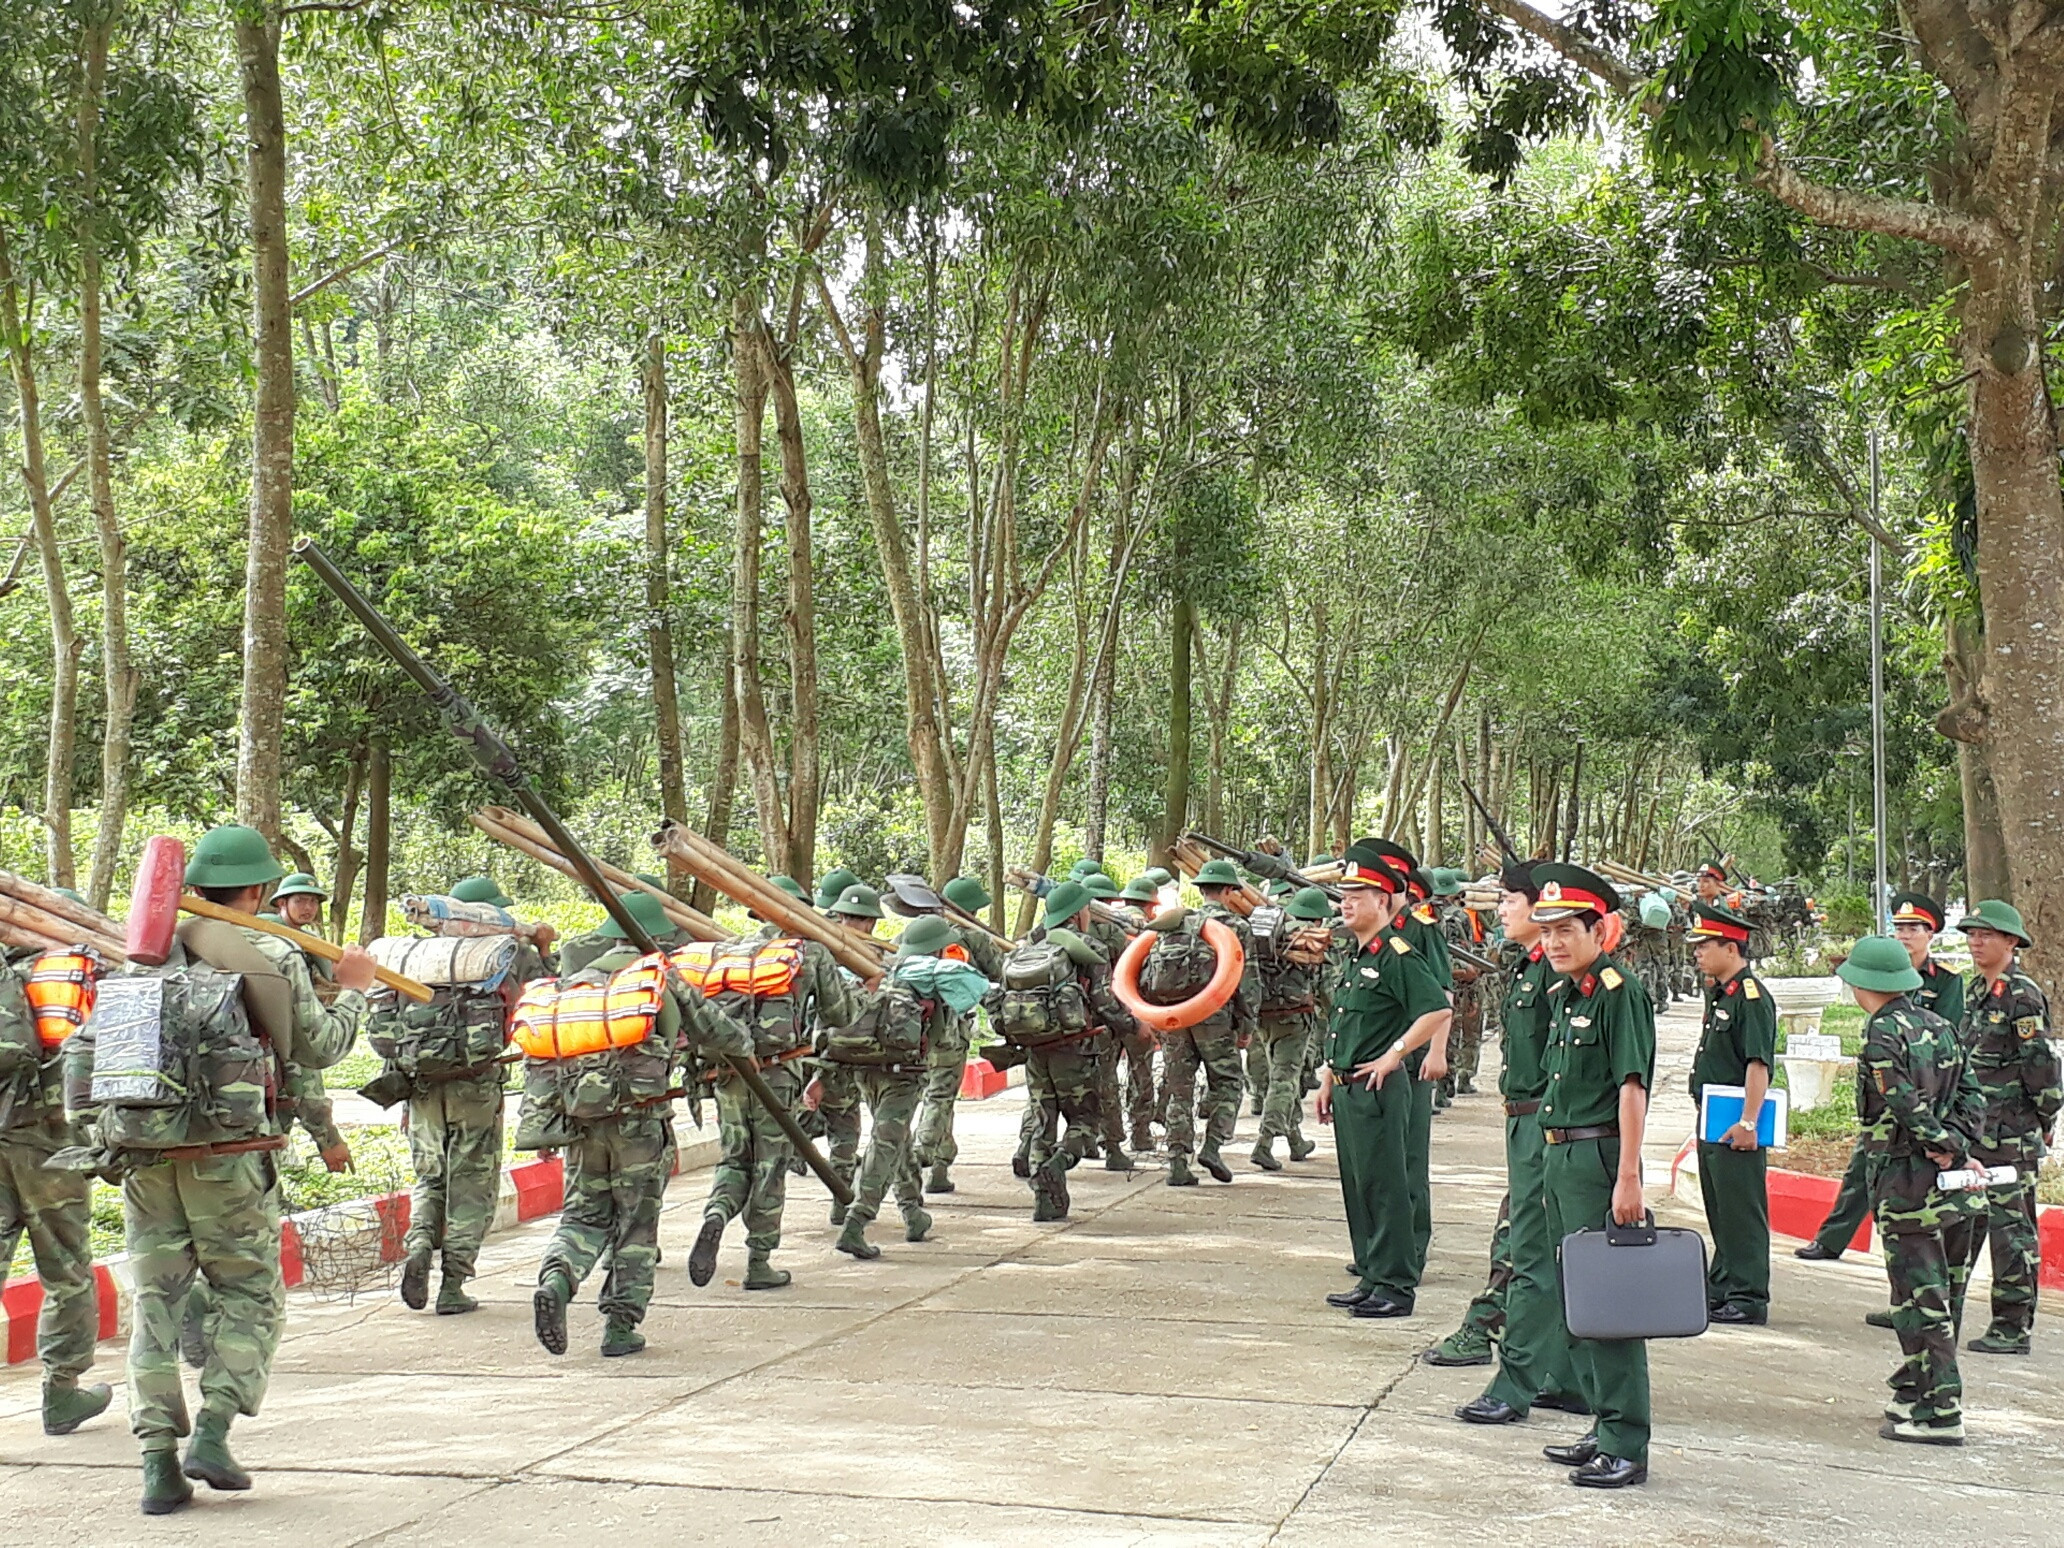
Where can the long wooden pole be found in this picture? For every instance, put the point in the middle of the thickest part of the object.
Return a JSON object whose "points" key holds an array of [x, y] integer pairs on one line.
{"points": [[512, 828], [314, 945], [721, 870], [61, 932]]}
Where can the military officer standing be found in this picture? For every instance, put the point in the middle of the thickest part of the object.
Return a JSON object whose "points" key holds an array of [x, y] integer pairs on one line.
{"points": [[1600, 1064], [1388, 1011], [1737, 1047], [1916, 920], [2007, 1033]]}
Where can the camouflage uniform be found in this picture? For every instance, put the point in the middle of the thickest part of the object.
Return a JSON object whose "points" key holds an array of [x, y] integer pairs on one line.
{"points": [[616, 1168], [51, 1207], [218, 1217], [1465, 1038], [2007, 1033], [946, 1062], [752, 1176], [1287, 1011], [1118, 1027], [1136, 1045], [1212, 1045], [1915, 1092], [839, 1101]]}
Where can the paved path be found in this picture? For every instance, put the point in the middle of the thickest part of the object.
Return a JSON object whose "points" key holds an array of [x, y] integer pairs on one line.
{"points": [[1159, 1370]]}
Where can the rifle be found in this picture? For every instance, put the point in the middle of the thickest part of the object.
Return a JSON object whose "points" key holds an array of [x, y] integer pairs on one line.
{"points": [[1262, 863], [499, 761], [1505, 845]]}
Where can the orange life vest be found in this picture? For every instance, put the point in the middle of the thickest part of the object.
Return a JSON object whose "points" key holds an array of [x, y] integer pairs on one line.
{"points": [[555, 1021], [768, 973], [60, 991], [955, 953]]}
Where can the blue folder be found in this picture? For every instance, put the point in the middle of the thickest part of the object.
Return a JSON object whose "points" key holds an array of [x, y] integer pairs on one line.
{"points": [[1720, 1109]]}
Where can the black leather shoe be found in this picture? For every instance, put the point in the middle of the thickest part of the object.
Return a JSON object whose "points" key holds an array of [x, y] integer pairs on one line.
{"points": [[1575, 1454], [1604, 1472], [1345, 1299], [1563, 1404], [1381, 1306], [1354, 1269], [1813, 1252], [1488, 1410], [1739, 1316]]}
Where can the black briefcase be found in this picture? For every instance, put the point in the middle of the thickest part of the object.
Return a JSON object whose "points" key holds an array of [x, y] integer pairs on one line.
{"points": [[1633, 1281]]}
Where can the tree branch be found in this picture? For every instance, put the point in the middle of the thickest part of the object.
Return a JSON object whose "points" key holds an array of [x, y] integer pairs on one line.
{"points": [[345, 271], [1586, 53]]}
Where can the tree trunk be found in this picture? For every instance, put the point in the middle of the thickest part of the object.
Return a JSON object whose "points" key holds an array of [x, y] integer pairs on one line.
{"points": [[1221, 727], [1175, 806], [1435, 853], [716, 826], [1104, 681], [65, 645], [372, 923], [348, 855], [755, 735], [262, 723], [805, 772], [1068, 741], [659, 607], [1576, 785], [1986, 873]]}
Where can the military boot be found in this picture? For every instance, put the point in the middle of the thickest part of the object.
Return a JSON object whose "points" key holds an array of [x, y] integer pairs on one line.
{"points": [[838, 1213], [1179, 1173], [1142, 1139], [1264, 1156], [207, 1455], [1214, 1163], [1116, 1160], [1050, 1189], [1941, 1432], [917, 1224], [620, 1336], [452, 1300], [1021, 1165], [853, 1240], [67, 1405], [1878, 1319], [2000, 1341], [939, 1182], [165, 1488], [1465, 1346], [760, 1274], [415, 1280], [548, 1311], [1302, 1149], [702, 1257]]}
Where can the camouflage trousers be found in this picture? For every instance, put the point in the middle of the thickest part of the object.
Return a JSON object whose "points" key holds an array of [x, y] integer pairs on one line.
{"points": [[1485, 1316], [752, 1176], [1110, 1097], [1060, 1082], [945, 1063], [892, 1098], [1465, 1045], [1084, 1132], [616, 1178], [1211, 1047], [455, 1146], [1929, 1270], [217, 1218], [2010, 1227], [52, 1210], [1275, 1062], [1141, 1097], [838, 1112]]}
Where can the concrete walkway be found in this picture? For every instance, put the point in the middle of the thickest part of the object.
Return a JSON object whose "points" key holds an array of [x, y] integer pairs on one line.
{"points": [[1159, 1370]]}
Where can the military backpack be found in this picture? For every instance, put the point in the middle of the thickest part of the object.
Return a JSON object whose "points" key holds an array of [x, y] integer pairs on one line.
{"points": [[889, 1031], [464, 1027], [1042, 1000], [593, 1048], [1179, 965], [759, 984]]}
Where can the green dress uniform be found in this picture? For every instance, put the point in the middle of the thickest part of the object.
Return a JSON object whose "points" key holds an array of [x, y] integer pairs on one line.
{"points": [[2007, 1033], [1740, 1029], [1534, 1358], [1941, 994], [1427, 939], [1388, 986], [1601, 1034]]}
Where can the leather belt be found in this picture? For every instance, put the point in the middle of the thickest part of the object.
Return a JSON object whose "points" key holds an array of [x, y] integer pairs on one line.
{"points": [[1589, 1131], [1522, 1109], [224, 1148]]}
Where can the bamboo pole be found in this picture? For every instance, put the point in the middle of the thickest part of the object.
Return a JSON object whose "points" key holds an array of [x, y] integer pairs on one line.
{"points": [[314, 945], [78, 915], [59, 932], [961, 916], [22, 938], [1190, 857], [512, 828], [723, 871], [1026, 881]]}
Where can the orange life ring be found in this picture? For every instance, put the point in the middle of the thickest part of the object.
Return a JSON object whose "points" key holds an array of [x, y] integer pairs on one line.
{"points": [[1232, 962], [1612, 929]]}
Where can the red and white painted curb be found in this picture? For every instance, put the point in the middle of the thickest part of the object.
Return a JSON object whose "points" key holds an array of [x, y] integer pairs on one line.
{"points": [[530, 1191]]}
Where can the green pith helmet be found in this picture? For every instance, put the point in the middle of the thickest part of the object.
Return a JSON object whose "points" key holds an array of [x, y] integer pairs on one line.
{"points": [[234, 856], [858, 901], [299, 885], [1310, 903], [925, 936], [646, 909], [481, 889], [1100, 886], [1282, 887], [1065, 902], [1084, 867], [1881, 963], [965, 894], [831, 888], [791, 886], [1448, 882], [1159, 875], [73, 897], [1320, 862], [1996, 914], [1140, 889], [1217, 873]]}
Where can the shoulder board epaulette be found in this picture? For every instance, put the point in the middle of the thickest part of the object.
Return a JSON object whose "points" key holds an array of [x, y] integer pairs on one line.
{"points": [[1751, 989], [1611, 978], [1400, 945]]}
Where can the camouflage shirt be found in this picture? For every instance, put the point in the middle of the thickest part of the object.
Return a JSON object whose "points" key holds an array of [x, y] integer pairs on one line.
{"points": [[1246, 1002], [1915, 1093], [1109, 937], [2006, 1031]]}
